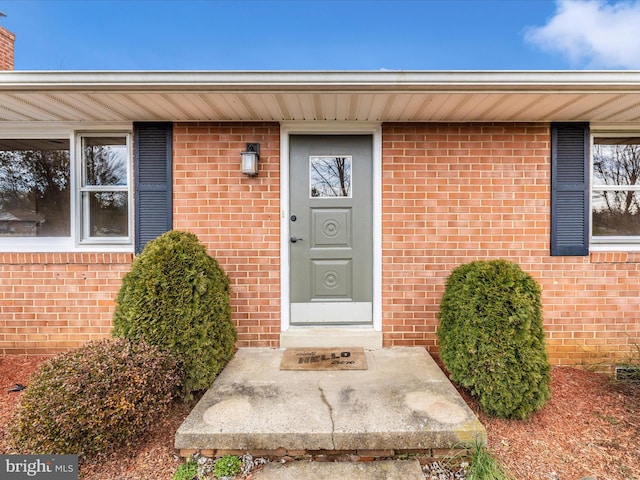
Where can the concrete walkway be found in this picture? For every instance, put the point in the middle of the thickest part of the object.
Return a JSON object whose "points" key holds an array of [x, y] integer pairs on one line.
{"points": [[403, 403], [381, 470]]}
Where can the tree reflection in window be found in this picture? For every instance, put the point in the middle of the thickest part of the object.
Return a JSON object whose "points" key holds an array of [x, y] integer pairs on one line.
{"points": [[616, 190], [34, 188], [105, 161], [330, 176], [105, 190]]}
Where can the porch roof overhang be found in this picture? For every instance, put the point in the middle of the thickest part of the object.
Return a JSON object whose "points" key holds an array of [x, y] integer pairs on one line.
{"points": [[51, 97]]}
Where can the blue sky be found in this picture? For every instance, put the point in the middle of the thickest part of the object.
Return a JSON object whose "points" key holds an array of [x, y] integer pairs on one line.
{"points": [[324, 34]]}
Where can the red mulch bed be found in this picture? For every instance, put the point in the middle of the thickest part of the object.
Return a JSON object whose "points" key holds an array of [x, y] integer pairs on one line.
{"points": [[590, 427]]}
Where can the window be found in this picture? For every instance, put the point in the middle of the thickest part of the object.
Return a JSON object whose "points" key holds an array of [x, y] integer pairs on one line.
{"points": [[59, 195], [35, 188], [330, 176], [104, 188], [615, 192]]}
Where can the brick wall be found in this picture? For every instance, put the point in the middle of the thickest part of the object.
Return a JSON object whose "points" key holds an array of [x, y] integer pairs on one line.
{"points": [[7, 41], [235, 216], [460, 192], [54, 302], [451, 194]]}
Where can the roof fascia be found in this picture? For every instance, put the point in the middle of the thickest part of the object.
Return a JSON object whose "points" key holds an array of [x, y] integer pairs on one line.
{"points": [[481, 81]]}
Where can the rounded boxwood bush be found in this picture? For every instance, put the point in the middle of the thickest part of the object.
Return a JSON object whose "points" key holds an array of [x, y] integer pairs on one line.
{"points": [[491, 337], [90, 400], [177, 297]]}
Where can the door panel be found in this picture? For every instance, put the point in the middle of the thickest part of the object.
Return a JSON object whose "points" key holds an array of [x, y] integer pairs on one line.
{"points": [[331, 229]]}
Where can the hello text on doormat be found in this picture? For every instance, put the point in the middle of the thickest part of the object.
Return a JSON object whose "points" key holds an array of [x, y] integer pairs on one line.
{"points": [[339, 358]]}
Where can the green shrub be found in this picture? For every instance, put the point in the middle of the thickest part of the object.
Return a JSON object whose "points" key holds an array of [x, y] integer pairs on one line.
{"points": [[491, 337], [177, 297], [187, 471], [90, 400], [227, 466]]}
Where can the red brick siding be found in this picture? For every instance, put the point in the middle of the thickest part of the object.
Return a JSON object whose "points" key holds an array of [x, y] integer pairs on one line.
{"points": [[54, 302], [451, 194], [7, 41], [235, 216], [460, 192]]}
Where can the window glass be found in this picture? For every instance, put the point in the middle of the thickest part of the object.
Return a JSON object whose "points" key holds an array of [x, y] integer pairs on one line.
{"points": [[615, 197], [108, 215], [105, 193], [615, 213], [34, 188], [616, 161], [105, 160], [330, 176]]}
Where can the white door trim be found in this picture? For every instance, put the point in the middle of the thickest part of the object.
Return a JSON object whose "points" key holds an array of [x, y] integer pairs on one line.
{"points": [[333, 128]]}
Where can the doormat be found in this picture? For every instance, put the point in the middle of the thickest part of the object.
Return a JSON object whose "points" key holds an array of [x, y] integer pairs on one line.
{"points": [[340, 358]]}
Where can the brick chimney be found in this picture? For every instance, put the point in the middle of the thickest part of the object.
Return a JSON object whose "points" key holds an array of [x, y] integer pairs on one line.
{"points": [[7, 40]]}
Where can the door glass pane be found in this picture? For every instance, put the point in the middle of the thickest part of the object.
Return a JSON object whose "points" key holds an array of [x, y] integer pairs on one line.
{"points": [[330, 176], [104, 160], [108, 214], [34, 188], [615, 213]]}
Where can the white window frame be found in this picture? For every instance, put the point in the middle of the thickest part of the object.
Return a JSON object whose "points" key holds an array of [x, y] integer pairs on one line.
{"points": [[82, 212], [72, 243], [608, 243]]}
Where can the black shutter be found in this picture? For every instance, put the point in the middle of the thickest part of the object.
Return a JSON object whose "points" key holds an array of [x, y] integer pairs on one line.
{"points": [[153, 189], [570, 189]]}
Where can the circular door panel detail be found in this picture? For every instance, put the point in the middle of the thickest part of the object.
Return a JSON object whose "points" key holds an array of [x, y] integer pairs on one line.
{"points": [[331, 227], [331, 279]]}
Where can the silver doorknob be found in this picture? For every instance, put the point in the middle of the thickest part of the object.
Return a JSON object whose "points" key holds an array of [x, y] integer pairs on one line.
{"points": [[295, 239]]}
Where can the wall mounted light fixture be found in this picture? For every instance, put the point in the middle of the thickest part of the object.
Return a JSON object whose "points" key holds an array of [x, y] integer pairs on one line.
{"points": [[249, 159]]}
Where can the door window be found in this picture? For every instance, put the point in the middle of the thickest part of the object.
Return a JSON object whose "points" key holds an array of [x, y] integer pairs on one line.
{"points": [[330, 177]]}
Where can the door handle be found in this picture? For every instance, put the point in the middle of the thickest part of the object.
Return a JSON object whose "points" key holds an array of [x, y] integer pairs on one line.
{"points": [[295, 239]]}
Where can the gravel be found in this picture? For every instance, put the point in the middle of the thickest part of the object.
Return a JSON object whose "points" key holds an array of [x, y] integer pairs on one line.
{"points": [[442, 471]]}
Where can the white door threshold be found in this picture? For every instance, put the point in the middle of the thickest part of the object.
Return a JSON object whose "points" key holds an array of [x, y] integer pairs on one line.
{"points": [[327, 337]]}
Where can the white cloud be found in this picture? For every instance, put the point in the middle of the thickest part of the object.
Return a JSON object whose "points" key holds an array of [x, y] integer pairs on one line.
{"points": [[593, 33]]}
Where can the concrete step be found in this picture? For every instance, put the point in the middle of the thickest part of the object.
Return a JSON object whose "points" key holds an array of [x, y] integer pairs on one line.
{"points": [[403, 403], [379, 470]]}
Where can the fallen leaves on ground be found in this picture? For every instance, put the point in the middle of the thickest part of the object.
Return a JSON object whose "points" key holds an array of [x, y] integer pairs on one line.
{"points": [[590, 427]]}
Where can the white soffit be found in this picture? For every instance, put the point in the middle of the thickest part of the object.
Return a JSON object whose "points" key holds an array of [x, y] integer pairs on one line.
{"points": [[384, 96]]}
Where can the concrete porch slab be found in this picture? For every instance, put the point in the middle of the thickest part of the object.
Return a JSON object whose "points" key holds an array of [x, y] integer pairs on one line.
{"points": [[403, 402]]}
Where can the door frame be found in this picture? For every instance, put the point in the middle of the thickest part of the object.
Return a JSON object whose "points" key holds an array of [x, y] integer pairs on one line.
{"points": [[333, 128]]}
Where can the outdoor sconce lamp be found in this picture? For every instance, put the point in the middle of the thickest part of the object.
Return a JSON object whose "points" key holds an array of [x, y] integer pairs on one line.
{"points": [[249, 159]]}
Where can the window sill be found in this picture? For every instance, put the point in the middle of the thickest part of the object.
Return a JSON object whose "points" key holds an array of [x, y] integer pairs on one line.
{"points": [[57, 245]]}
